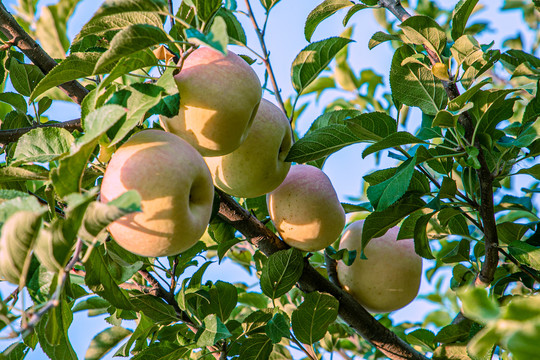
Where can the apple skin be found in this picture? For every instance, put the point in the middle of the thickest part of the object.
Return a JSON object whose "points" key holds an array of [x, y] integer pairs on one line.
{"points": [[306, 210], [176, 190], [390, 277], [258, 166], [219, 97]]}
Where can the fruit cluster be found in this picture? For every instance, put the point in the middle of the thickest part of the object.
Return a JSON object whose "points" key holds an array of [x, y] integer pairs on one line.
{"points": [[226, 135]]}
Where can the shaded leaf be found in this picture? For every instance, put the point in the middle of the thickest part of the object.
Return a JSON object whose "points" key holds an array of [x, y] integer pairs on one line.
{"points": [[281, 272], [311, 319]]}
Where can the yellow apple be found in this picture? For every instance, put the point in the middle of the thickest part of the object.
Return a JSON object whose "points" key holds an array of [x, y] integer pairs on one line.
{"points": [[176, 191], [219, 97], [258, 166], [390, 277], [306, 210]]}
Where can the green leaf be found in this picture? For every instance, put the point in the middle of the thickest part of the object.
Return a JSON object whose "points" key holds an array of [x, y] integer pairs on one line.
{"points": [[373, 126], [421, 240], [52, 332], [100, 280], [141, 98], [352, 11], [211, 331], [423, 30], [423, 338], [258, 347], [534, 171], [155, 308], [117, 15], [508, 232], [313, 59], [414, 84], [256, 321], [377, 223], [393, 140], [321, 142], [321, 12], [269, 4], [460, 16], [24, 77], [75, 66], [223, 299], [163, 351], [19, 203], [67, 176], [16, 100], [99, 215], [311, 319], [103, 342], [333, 117], [477, 305], [206, 8], [19, 233], [216, 38], [454, 332], [386, 193], [51, 27], [281, 272], [138, 60], [42, 145], [129, 41], [234, 27], [490, 108], [379, 37], [525, 254], [277, 328]]}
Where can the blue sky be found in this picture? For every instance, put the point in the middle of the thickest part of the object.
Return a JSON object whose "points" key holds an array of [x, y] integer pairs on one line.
{"points": [[285, 39]]}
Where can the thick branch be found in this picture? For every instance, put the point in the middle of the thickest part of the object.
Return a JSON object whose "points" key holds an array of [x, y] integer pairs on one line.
{"points": [[9, 136], [19, 38], [349, 309], [487, 210]]}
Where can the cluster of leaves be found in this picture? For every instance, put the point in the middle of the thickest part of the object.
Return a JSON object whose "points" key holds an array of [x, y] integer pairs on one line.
{"points": [[49, 183]]}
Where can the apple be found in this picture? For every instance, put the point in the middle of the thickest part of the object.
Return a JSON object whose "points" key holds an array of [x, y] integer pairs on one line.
{"points": [[219, 97], [306, 210], [390, 277], [176, 189], [258, 166]]}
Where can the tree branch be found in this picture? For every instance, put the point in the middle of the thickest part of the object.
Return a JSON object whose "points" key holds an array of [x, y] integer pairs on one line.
{"points": [[349, 309], [9, 136], [487, 210], [19, 38]]}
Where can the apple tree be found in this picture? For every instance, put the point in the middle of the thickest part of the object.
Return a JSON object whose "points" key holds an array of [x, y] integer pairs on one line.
{"points": [[458, 117]]}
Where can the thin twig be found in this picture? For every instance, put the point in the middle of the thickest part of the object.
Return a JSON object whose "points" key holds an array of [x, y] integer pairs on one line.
{"points": [[266, 57]]}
